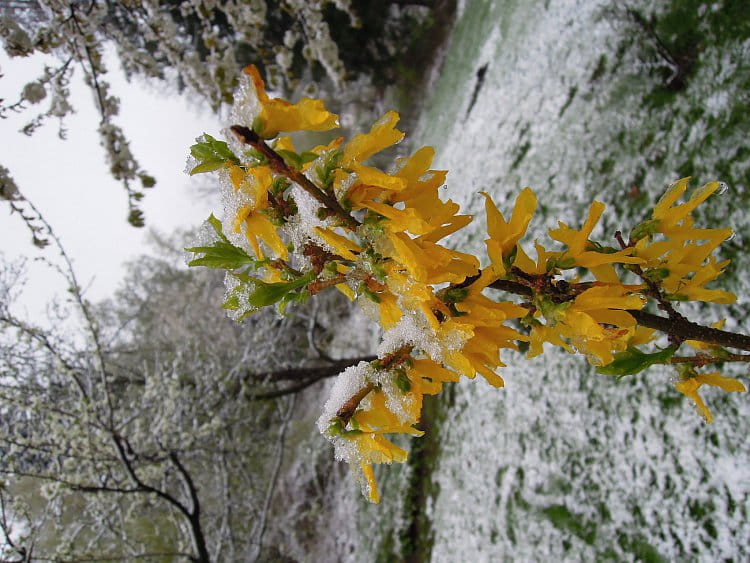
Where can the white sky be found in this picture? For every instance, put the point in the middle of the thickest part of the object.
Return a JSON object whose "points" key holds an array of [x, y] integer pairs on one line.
{"points": [[70, 183]]}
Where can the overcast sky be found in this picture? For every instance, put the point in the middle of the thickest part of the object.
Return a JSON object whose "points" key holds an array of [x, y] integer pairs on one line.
{"points": [[70, 183]]}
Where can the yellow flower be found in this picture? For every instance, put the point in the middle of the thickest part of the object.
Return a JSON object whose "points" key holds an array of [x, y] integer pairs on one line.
{"points": [[414, 296], [382, 135], [415, 170], [408, 198], [421, 195], [481, 353], [257, 225], [431, 263], [428, 376], [372, 488], [579, 246], [684, 265], [400, 220], [341, 245], [671, 216], [483, 319], [279, 115], [479, 310], [540, 334], [504, 235], [691, 287], [255, 183], [526, 264], [390, 312], [284, 144], [580, 324], [370, 423], [642, 335], [689, 386]]}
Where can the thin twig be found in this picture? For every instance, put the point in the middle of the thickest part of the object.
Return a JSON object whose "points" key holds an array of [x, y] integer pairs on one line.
{"points": [[393, 359], [277, 164], [700, 360]]}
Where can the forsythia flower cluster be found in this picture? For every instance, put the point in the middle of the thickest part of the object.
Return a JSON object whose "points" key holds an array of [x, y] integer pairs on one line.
{"points": [[299, 222]]}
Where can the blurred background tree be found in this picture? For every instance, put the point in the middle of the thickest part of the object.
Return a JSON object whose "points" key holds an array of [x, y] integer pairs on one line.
{"points": [[148, 431], [198, 46]]}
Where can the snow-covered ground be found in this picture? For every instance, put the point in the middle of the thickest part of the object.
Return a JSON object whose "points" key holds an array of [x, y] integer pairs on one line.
{"points": [[563, 464], [564, 96]]}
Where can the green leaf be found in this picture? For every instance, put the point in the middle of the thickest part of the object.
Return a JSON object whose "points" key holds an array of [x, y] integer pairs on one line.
{"points": [[291, 158], [279, 184], [222, 253], [645, 229], [510, 258], [256, 155], [232, 303], [656, 274], [402, 381], [216, 224], [147, 181], [207, 166], [211, 154], [293, 298], [266, 294], [325, 172], [633, 361], [454, 294], [368, 293], [306, 157]]}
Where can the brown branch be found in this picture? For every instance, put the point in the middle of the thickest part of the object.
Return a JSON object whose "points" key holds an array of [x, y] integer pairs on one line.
{"points": [[393, 359], [277, 164], [312, 375], [94, 74], [511, 287], [195, 514], [688, 330], [680, 327], [700, 360]]}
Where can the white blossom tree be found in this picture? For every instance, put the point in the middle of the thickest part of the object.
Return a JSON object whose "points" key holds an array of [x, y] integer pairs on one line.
{"points": [[198, 46]]}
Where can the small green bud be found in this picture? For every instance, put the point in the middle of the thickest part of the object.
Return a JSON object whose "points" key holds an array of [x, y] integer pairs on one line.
{"points": [[402, 381], [645, 229], [454, 294], [656, 274], [552, 311], [367, 292], [336, 427]]}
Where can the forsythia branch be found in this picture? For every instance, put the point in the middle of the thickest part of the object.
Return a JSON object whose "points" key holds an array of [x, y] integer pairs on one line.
{"points": [[375, 236]]}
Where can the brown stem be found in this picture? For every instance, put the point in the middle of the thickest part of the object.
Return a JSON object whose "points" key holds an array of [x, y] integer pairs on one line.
{"points": [[688, 330], [700, 360], [277, 164], [317, 286], [347, 409]]}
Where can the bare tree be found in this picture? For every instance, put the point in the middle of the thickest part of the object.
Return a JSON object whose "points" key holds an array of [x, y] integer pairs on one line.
{"points": [[148, 432]]}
